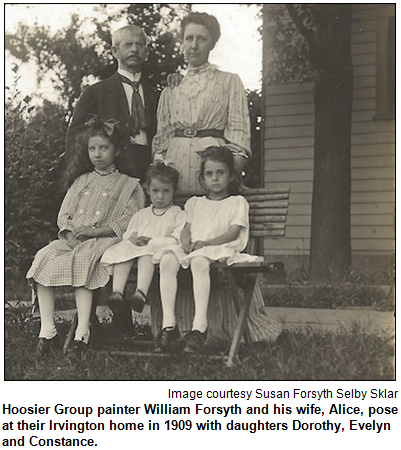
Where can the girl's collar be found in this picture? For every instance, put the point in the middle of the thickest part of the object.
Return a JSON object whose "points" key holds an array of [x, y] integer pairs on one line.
{"points": [[161, 211], [218, 199], [108, 171]]}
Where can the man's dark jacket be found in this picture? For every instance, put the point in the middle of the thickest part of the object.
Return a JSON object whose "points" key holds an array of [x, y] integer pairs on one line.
{"points": [[107, 99]]}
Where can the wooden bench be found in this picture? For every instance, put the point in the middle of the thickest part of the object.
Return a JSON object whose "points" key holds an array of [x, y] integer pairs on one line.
{"points": [[268, 215]]}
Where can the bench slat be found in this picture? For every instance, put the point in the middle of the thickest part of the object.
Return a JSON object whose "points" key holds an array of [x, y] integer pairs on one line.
{"points": [[263, 219], [271, 204], [253, 191], [265, 233], [266, 197], [267, 226], [267, 212]]}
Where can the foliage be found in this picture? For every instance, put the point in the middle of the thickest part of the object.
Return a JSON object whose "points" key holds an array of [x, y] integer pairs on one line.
{"points": [[73, 58], [31, 190], [287, 51], [349, 354]]}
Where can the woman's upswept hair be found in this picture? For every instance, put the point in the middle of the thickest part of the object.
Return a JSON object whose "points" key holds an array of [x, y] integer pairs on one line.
{"points": [[81, 163], [223, 155], [164, 172], [208, 21]]}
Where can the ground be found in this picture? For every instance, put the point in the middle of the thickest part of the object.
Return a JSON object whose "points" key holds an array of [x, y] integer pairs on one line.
{"points": [[314, 345]]}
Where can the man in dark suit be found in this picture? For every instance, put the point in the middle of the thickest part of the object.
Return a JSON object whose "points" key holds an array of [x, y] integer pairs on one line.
{"points": [[126, 97]]}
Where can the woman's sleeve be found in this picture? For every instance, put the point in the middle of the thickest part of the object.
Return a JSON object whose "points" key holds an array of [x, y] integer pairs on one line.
{"points": [[238, 129], [240, 212], [135, 203], [165, 130], [68, 209]]}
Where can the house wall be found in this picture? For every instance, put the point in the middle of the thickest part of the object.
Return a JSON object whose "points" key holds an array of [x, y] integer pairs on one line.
{"points": [[288, 146]]}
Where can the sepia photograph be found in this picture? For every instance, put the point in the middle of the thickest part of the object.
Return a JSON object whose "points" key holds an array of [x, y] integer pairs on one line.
{"points": [[199, 192]]}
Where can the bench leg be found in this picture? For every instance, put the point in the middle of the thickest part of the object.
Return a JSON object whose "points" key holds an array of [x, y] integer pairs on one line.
{"points": [[94, 320], [241, 324], [238, 302], [70, 334]]}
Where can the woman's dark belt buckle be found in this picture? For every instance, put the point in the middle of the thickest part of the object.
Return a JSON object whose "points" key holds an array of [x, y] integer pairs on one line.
{"points": [[189, 133]]}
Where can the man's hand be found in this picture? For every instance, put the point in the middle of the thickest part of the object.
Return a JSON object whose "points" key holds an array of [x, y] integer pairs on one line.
{"points": [[174, 80]]}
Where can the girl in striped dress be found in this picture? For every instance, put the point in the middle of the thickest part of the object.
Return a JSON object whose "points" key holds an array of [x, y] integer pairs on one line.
{"points": [[93, 216]]}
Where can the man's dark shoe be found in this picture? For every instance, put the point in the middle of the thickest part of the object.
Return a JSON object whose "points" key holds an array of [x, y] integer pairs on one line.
{"points": [[166, 337], [45, 345], [196, 341], [138, 301]]}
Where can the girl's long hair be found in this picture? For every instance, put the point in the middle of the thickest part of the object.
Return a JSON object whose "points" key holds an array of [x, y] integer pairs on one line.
{"points": [[224, 155], [81, 163]]}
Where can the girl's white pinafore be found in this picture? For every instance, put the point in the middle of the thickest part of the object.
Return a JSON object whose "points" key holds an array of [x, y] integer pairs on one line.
{"points": [[209, 219], [164, 230]]}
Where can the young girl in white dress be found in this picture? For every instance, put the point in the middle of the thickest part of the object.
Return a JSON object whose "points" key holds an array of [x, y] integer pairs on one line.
{"points": [[216, 229], [93, 216], [149, 231]]}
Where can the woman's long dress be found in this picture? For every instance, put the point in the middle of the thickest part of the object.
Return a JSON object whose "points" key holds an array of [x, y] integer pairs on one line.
{"points": [[207, 99], [93, 200]]}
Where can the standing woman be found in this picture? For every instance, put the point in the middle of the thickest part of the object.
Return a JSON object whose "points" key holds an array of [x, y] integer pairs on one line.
{"points": [[208, 108]]}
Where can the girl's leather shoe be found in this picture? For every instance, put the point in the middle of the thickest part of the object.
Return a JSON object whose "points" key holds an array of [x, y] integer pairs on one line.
{"points": [[45, 345], [196, 341], [138, 301], [166, 337], [79, 349], [115, 302]]}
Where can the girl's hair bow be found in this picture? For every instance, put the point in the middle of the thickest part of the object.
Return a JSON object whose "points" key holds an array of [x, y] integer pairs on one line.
{"points": [[165, 162], [109, 126]]}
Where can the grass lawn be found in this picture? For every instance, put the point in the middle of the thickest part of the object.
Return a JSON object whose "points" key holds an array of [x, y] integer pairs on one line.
{"points": [[296, 355]]}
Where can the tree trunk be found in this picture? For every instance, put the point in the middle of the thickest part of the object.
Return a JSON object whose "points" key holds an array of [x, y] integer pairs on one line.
{"points": [[330, 252]]}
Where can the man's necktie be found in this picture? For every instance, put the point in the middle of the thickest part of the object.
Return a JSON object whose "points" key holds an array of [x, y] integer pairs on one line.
{"points": [[138, 114]]}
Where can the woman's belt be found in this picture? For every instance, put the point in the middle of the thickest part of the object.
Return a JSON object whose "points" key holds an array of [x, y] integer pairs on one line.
{"points": [[191, 133]]}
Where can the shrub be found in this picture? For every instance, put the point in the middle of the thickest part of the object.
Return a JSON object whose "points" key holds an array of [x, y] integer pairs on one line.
{"points": [[32, 146]]}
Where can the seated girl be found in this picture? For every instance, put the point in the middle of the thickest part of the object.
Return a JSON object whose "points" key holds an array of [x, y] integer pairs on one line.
{"points": [[149, 231], [93, 216]]}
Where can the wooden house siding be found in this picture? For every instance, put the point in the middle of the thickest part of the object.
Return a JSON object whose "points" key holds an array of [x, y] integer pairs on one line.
{"points": [[288, 151]]}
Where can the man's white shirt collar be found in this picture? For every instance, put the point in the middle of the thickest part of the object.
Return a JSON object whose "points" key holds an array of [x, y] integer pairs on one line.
{"points": [[130, 76]]}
